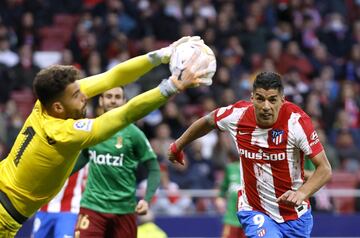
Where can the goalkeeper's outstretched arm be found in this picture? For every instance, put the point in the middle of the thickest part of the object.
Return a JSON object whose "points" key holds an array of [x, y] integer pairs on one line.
{"points": [[114, 120], [130, 70], [122, 74]]}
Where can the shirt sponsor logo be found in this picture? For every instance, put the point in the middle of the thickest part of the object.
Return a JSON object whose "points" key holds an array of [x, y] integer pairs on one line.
{"points": [[260, 155], [83, 125], [106, 159], [277, 136], [314, 138]]}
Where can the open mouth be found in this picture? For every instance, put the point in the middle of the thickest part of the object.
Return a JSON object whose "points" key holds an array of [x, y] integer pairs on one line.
{"points": [[266, 116]]}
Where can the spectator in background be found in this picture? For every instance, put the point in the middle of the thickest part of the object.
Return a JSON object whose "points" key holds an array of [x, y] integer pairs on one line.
{"points": [[274, 51], [335, 35], [7, 56], [94, 64], [293, 57], [349, 153], [349, 101], [352, 66], [200, 169], [27, 31], [3, 150], [174, 118], [320, 58], [6, 84], [253, 37], [163, 138], [23, 73]]}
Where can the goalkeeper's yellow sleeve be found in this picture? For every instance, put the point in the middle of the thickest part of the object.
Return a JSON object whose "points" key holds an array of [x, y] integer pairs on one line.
{"points": [[120, 75], [86, 132], [112, 121]]}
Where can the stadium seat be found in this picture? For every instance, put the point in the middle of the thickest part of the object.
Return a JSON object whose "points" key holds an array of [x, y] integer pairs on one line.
{"points": [[65, 20], [343, 180], [54, 38]]}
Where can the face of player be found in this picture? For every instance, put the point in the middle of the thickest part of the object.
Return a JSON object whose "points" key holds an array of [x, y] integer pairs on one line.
{"points": [[267, 104], [112, 98], [73, 102]]}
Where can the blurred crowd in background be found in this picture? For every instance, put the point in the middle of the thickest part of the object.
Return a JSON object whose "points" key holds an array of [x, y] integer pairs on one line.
{"points": [[314, 44]]}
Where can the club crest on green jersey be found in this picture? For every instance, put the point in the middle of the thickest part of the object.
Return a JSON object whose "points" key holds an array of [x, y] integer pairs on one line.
{"points": [[119, 142]]}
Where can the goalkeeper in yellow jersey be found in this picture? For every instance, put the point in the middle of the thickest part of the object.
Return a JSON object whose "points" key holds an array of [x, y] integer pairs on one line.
{"points": [[47, 146]]}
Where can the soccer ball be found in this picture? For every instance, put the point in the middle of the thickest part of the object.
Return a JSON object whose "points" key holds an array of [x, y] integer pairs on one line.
{"points": [[183, 53]]}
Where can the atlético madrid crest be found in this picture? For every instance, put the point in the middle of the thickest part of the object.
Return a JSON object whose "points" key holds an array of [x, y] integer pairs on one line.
{"points": [[119, 142], [277, 136]]}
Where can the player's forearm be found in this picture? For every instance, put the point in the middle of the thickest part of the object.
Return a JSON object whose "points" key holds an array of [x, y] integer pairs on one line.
{"points": [[319, 178], [198, 129], [122, 74], [118, 118], [153, 179]]}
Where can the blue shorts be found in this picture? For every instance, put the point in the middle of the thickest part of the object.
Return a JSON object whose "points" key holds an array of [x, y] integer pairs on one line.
{"points": [[53, 224], [257, 224]]}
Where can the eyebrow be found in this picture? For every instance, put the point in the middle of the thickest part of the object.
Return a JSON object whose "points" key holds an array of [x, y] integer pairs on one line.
{"points": [[77, 91], [260, 95]]}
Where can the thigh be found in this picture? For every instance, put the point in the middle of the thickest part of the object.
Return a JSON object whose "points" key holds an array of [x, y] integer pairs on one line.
{"points": [[230, 231], [257, 224], [299, 228], [90, 224], [8, 226], [124, 226], [65, 225], [43, 225]]}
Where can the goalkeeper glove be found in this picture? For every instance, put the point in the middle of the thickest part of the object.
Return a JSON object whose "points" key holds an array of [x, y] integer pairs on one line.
{"points": [[162, 56], [175, 155], [188, 77]]}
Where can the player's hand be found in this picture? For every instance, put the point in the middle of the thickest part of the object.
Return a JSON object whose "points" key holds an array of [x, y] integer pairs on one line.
{"points": [[142, 207], [190, 76], [175, 155], [292, 198], [163, 55]]}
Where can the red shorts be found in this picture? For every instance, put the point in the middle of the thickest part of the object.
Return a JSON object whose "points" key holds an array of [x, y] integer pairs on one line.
{"points": [[96, 224], [230, 231]]}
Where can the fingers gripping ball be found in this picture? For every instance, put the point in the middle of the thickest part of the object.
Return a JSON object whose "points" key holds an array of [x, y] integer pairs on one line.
{"points": [[206, 61]]}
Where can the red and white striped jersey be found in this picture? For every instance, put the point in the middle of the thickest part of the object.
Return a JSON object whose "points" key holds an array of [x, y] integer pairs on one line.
{"points": [[271, 159], [68, 199]]}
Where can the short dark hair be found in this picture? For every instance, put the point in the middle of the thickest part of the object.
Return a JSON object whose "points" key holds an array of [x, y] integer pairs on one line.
{"points": [[268, 80], [50, 83]]}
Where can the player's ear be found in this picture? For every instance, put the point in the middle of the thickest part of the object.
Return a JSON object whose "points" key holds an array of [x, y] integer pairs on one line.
{"points": [[101, 101], [58, 107], [282, 97]]}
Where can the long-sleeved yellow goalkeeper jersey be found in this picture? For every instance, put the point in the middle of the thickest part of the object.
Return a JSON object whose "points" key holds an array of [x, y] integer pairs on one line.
{"points": [[46, 149]]}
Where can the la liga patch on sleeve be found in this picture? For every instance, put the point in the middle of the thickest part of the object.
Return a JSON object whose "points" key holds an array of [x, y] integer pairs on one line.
{"points": [[83, 125]]}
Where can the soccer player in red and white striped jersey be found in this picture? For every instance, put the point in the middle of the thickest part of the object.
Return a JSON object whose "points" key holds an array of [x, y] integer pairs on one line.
{"points": [[272, 137], [57, 219]]}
